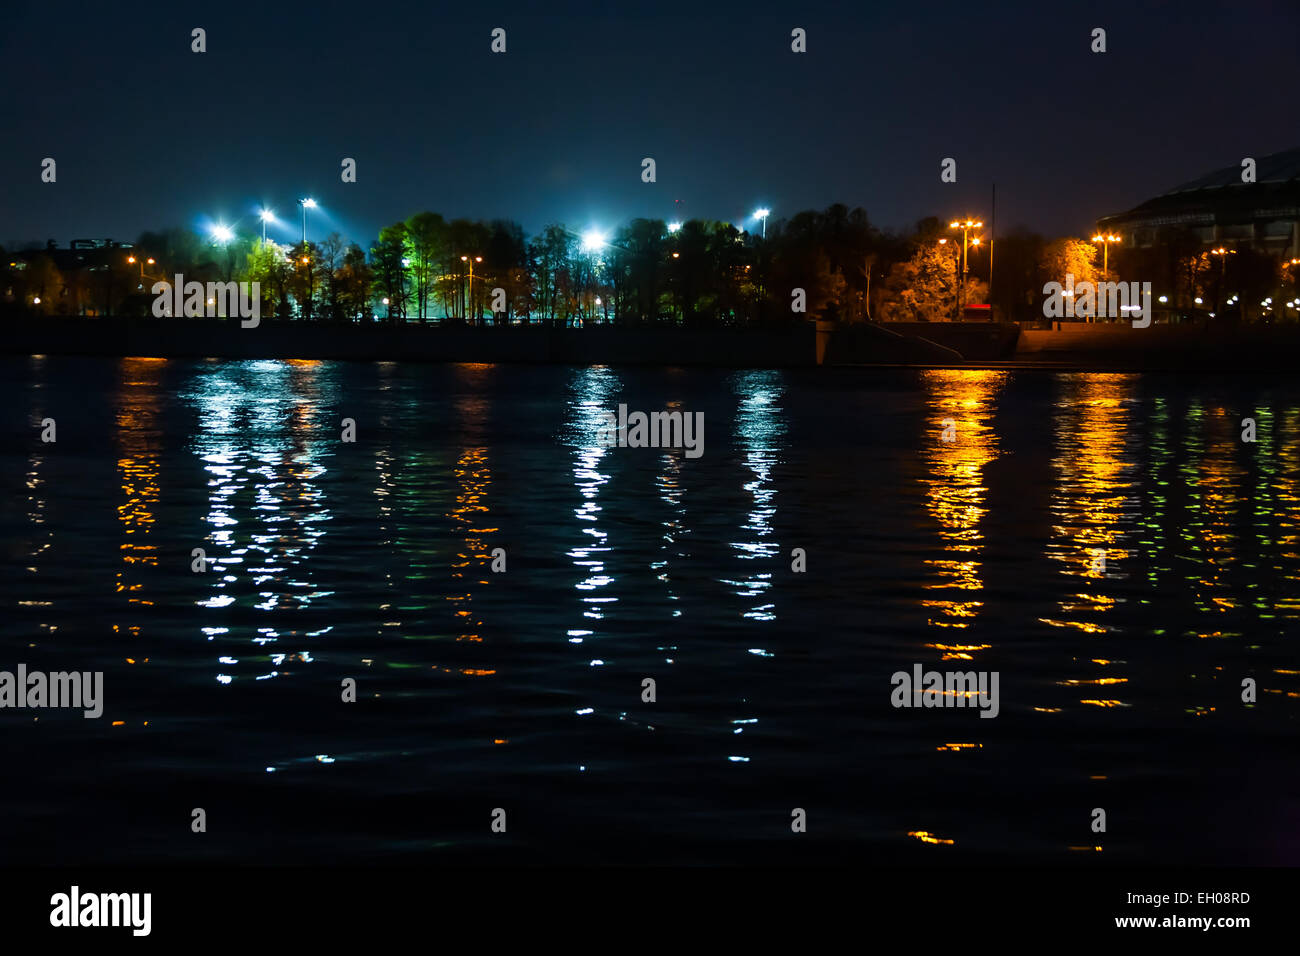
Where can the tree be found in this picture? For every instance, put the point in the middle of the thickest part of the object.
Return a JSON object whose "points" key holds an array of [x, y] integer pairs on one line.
{"points": [[426, 250], [354, 282], [550, 253], [389, 280], [268, 266], [305, 278], [923, 288], [330, 253], [1065, 257]]}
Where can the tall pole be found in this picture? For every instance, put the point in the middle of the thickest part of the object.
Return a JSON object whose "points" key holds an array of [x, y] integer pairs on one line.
{"points": [[304, 225], [993, 227], [867, 300], [961, 289]]}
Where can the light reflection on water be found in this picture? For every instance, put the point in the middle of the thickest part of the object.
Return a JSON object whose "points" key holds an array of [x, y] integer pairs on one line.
{"points": [[470, 513], [1094, 504], [961, 406], [139, 433], [594, 391], [758, 431], [372, 559], [262, 440]]}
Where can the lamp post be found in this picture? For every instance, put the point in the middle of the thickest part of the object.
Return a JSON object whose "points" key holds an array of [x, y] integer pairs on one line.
{"points": [[965, 226], [306, 204], [470, 291], [1222, 252], [311, 286], [761, 215], [1105, 241], [133, 260], [222, 236], [956, 292], [268, 216]]}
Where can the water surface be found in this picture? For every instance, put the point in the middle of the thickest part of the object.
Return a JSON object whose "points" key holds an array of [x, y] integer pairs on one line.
{"points": [[1120, 678]]}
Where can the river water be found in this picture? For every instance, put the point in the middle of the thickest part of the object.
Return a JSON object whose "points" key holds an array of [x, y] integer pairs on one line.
{"points": [[1107, 544]]}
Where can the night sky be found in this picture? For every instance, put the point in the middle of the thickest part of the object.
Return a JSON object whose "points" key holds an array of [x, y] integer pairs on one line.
{"points": [[149, 135]]}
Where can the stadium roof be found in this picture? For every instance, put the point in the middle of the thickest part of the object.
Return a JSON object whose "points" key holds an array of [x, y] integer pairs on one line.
{"points": [[1279, 168]]}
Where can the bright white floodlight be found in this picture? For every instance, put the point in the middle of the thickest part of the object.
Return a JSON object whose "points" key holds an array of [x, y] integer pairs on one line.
{"points": [[593, 240]]}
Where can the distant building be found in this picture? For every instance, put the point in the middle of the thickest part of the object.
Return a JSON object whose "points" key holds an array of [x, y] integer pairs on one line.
{"points": [[1219, 209], [81, 244], [83, 281]]}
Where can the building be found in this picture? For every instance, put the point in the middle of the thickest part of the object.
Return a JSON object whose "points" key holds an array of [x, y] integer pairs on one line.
{"points": [[1220, 209], [90, 277]]}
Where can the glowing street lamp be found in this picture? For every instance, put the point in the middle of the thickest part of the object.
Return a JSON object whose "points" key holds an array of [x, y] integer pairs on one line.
{"points": [[267, 216], [306, 204], [1222, 252], [1105, 241], [471, 262], [593, 240], [965, 226], [133, 260], [761, 214], [222, 234], [674, 226]]}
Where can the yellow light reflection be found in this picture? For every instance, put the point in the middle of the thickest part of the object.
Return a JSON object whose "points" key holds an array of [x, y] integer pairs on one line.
{"points": [[138, 433], [960, 405]]}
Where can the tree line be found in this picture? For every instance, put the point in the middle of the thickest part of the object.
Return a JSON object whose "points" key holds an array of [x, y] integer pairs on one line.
{"points": [[427, 269]]}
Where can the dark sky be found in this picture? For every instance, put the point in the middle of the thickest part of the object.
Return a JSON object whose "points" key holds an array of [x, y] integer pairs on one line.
{"points": [[147, 134]]}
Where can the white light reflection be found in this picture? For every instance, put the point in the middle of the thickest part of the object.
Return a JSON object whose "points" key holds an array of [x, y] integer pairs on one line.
{"points": [[261, 438], [592, 391], [759, 427]]}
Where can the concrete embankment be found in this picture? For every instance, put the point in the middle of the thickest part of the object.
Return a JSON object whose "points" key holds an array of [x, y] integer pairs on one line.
{"points": [[786, 346], [1099, 346], [1201, 346]]}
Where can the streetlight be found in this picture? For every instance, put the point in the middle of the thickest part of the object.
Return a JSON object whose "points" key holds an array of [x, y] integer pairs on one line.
{"points": [[306, 204], [761, 214], [222, 236], [133, 260], [593, 240], [268, 216], [1105, 241], [1222, 252], [674, 226], [470, 295], [965, 226]]}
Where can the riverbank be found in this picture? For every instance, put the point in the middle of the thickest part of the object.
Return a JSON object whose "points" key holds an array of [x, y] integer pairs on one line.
{"points": [[773, 347], [1068, 345]]}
